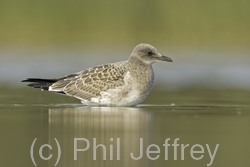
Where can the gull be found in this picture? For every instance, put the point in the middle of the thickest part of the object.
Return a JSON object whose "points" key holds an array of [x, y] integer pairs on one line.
{"points": [[124, 83]]}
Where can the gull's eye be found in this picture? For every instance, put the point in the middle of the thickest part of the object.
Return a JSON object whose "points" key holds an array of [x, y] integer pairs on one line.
{"points": [[149, 53]]}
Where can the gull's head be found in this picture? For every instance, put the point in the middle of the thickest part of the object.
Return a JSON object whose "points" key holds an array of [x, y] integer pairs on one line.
{"points": [[148, 54]]}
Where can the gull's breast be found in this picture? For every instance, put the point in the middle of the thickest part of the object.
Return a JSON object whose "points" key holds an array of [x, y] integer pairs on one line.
{"points": [[134, 91]]}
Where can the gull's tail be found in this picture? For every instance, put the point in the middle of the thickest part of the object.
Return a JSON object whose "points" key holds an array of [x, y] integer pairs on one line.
{"points": [[40, 83]]}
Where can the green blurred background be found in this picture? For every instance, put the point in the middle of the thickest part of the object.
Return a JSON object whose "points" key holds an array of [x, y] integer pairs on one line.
{"points": [[26, 23], [208, 40]]}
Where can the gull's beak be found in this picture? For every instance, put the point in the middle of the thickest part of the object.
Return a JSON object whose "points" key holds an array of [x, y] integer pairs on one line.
{"points": [[165, 58]]}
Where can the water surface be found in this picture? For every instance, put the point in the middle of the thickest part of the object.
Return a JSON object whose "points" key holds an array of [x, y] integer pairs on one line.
{"points": [[189, 116]]}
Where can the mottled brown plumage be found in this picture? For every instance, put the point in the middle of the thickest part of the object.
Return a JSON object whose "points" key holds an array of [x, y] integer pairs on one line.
{"points": [[91, 82]]}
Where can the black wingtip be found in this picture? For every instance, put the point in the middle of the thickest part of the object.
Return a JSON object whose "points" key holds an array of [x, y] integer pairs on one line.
{"points": [[40, 83], [40, 80], [26, 80]]}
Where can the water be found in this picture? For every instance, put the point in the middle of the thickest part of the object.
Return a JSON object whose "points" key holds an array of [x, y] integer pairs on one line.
{"points": [[207, 117]]}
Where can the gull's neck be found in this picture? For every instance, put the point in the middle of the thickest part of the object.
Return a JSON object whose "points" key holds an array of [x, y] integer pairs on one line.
{"points": [[136, 60]]}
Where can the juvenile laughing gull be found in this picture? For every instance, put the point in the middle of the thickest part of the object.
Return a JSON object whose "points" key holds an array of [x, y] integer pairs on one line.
{"points": [[125, 83]]}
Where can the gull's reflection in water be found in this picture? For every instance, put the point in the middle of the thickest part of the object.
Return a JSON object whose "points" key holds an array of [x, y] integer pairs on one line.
{"points": [[112, 134]]}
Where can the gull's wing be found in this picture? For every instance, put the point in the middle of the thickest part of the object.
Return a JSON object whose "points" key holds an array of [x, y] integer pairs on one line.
{"points": [[91, 82]]}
